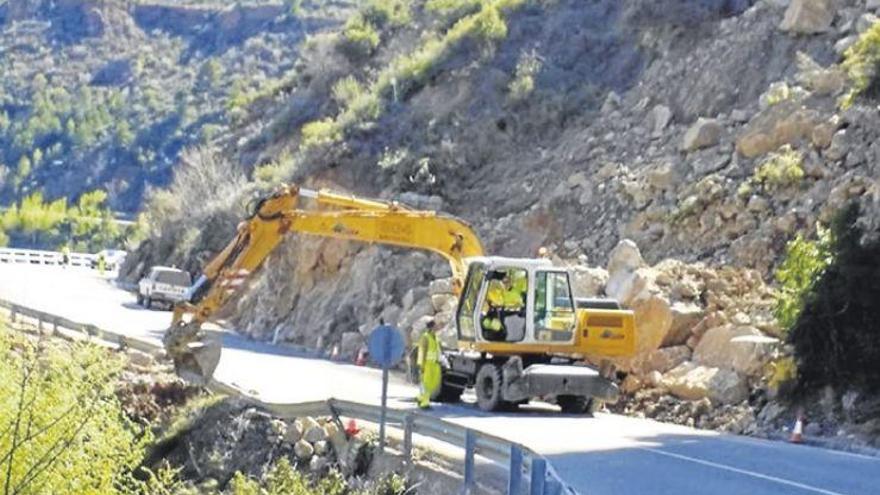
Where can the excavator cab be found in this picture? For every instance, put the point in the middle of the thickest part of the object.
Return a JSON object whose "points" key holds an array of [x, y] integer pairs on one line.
{"points": [[550, 320], [520, 302]]}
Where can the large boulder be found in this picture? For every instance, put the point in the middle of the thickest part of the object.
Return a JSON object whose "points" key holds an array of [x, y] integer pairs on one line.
{"points": [[303, 450], [741, 348], [627, 287], [691, 381], [623, 261], [783, 123], [685, 316], [653, 319], [625, 257], [443, 303], [440, 286], [704, 133], [808, 16], [663, 360], [588, 281]]}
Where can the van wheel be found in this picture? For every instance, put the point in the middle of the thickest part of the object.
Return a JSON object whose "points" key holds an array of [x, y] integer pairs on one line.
{"points": [[574, 404], [488, 387]]}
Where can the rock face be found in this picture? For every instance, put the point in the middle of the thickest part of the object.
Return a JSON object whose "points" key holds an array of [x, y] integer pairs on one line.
{"points": [[741, 348], [694, 382], [808, 16], [704, 133]]}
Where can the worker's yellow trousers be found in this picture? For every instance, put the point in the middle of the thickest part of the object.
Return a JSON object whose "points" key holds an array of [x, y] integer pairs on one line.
{"points": [[431, 374]]}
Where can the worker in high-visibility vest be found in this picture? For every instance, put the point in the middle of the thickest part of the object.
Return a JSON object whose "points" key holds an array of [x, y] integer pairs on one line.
{"points": [[429, 365], [65, 256], [102, 263]]}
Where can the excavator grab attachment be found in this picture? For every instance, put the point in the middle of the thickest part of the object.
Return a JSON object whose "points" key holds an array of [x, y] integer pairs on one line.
{"points": [[195, 352]]}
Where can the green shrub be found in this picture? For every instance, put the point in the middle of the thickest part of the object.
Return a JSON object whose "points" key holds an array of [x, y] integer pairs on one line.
{"points": [[320, 132], [360, 38], [381, 13], [803, 264], [836, 339], [861, 62], [781, 169], [523, 82], [447, 6], [283, 479], [347, 90], [64, 431]]}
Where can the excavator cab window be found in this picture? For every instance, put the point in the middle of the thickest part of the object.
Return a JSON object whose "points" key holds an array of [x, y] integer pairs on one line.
{"points": [[468, 303], [554, 307], [503, 310]]}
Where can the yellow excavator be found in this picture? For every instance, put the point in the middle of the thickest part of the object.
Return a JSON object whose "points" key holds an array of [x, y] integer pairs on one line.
{"points": [[542, 342]]}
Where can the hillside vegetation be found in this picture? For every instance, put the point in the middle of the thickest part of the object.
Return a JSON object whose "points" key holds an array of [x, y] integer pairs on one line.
{"points": [[106, 95]]}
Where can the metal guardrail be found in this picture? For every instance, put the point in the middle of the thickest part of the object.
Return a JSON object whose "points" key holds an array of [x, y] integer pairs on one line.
{"points": [[543, 480], [37, 257]]}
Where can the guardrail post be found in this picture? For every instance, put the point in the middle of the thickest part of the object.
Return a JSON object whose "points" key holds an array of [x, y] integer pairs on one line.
{"points": [[407, 438], [514, 485], [13, 315], [539, 475], [470, 444]]}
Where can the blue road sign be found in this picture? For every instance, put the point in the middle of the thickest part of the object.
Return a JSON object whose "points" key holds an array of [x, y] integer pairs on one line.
{"points": [[386, 346]]}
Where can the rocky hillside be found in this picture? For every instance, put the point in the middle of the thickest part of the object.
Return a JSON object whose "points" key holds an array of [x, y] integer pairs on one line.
{"points": [[106, 95], [709, 133]]}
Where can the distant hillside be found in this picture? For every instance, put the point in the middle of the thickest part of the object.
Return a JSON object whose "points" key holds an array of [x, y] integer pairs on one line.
{"points": [[106, 95]]}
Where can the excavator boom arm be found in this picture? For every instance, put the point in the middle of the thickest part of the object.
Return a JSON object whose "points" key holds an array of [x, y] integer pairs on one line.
{"points": [[335, 216]]}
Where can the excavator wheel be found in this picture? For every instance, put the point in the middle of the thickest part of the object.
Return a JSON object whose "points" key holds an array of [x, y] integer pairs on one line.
{"points": [[195, 353], [488, 387]]}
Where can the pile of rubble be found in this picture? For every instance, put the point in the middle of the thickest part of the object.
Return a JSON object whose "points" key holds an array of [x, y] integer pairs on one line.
{"points": [[232, 436]]}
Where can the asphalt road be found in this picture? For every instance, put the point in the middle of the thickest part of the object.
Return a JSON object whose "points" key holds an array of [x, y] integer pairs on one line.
{"points": [[604, 454]]}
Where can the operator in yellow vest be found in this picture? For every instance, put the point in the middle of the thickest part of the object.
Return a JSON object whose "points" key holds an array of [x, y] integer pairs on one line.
{"points": [[429, 365], [493, 329]]}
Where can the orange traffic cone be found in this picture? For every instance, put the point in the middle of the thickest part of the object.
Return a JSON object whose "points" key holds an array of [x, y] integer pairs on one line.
{"points": [[361, 359], [351, 429], [797, 434]]}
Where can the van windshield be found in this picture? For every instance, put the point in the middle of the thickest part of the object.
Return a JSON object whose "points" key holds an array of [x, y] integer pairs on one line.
{"points": [[173, 278]]}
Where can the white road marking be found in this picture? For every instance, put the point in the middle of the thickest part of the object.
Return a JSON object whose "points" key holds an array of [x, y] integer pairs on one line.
{"points": [[743, 471]]}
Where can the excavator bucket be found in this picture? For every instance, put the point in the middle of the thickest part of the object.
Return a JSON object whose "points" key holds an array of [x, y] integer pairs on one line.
{"points": [[195, 353]]}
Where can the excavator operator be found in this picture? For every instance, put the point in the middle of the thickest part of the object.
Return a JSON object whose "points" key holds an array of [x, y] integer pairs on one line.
{"points": [[493, 327], [505, 299]]}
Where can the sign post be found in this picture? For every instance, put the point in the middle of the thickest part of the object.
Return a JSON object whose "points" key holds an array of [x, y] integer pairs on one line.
{"points": [[386, 350]]}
